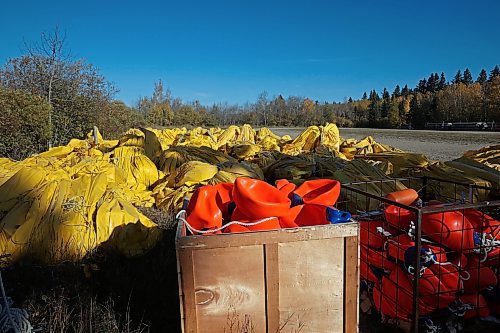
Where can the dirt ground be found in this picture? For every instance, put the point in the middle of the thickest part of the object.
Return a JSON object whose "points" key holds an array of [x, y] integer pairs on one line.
{"points": [[437, 145]]}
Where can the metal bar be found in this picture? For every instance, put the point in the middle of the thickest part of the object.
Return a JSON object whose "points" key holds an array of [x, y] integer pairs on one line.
{"points": [[416, 273], [448, 208]]}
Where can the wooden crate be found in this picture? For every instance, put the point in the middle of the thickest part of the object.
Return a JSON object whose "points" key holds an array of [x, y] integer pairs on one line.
{"points": [[290, 280]]}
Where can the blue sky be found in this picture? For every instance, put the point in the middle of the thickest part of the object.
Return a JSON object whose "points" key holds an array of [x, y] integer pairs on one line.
{"points": [[230, 51]]}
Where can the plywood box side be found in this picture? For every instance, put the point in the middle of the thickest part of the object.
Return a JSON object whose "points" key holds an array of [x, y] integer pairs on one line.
{"points": [[264, 237]]}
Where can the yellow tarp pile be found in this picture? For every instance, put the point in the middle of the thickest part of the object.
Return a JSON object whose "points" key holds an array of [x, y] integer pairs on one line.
{"points": [[465, 170], [62, 204], [489, 156]]}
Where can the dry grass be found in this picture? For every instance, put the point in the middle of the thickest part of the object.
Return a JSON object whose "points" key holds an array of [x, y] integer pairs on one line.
{"points": [[57, 312], [105, 292]]}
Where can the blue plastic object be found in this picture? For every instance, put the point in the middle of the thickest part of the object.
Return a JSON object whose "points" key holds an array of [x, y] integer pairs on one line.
{"points": [[297, 200], [337, 216]]}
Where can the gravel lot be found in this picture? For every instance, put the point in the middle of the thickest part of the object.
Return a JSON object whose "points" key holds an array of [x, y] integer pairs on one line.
{"points": [[437, 145]]}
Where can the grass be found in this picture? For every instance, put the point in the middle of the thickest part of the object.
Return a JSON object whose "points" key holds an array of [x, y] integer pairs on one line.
{"points": [[106, 292]]}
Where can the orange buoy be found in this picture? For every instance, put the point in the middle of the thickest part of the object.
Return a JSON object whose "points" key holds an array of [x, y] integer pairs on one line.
{"points": [[478, 304], [399, 218], [366, 273], [376, 258], [270, 223], [224, 198], [235, 228], [202, 212], [450, 229], [285, 186], [482, 223], [403, 249], [319, 191], [369, 234], [257, 199], [481, 276], [288, 220], [405, 197], [395, 296]]}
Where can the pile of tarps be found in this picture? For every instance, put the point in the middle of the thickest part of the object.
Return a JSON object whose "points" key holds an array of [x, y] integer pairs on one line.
{"points": [[489, 156], [64, 203], [476, 176]]}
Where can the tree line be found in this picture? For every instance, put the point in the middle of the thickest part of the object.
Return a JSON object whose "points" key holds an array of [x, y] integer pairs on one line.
{"points": [[48, 97], [434, 99]]}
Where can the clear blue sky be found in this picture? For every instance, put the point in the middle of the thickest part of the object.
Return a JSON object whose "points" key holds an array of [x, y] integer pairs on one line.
{"points": [[232, 50]]}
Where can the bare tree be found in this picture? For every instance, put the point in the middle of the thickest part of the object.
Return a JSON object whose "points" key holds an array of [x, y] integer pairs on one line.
{"points": [[76, 91]]}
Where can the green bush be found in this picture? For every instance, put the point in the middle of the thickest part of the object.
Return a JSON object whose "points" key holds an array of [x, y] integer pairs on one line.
{"points": [[24, 124]]}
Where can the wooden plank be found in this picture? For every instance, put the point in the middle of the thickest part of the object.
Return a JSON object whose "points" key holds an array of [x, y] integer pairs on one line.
{"points": [[272, 287], [187, 271], [229, 289], [351, 284], [311, 285], [268, 237]]}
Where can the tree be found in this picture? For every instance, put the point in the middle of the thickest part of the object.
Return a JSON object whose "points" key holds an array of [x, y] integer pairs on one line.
{"points": [[422, 86], [495, 72], [458, 78], [24, 122], [493, 98], [262, 107], [386, 103], [397, 91], [467, 79], [442, 82], [432, 82], [75, 90], [364, 96], [405, 91], [116, 118], [482, 78]]}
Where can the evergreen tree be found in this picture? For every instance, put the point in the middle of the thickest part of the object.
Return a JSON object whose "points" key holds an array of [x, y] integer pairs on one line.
{"points": [[467, 79], [405, 91], [458, 78], [350, 99], [432, 82], [385, 94], [483, 77], [364, 96], [442, 82], [386, 104], [373, 108], [422, 86], [494, 73], [397, 91]]}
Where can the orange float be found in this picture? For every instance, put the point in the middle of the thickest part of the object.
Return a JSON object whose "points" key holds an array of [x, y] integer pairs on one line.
{"points": [[257, 199], [285, 186], [481, 276], [399, 217], [450, 229], [369, 234], [405, 197], [224, 199], [319, 191], [202, 212], [478, 303], [270, 223]]}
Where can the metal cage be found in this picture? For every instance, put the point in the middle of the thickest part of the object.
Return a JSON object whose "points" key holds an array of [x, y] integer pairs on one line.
{"points": [[432, 263]]}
